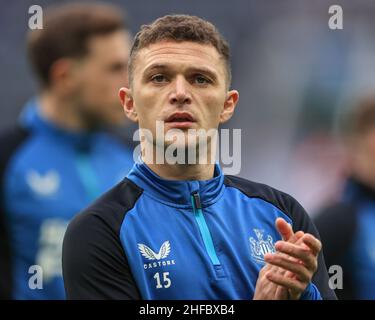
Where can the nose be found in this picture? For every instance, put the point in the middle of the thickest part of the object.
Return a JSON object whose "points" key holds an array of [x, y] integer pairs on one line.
{"points": [[180, 94]]}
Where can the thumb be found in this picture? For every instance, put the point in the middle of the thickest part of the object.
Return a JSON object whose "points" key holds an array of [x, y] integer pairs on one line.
{"points": [[284, 228]]}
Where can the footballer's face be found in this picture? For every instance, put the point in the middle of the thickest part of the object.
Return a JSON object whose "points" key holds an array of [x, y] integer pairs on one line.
{"points": [[183, 84], [99, 75]]}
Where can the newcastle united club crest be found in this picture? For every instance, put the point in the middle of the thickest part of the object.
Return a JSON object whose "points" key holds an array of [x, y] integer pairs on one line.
{"points": [[261, 246]]}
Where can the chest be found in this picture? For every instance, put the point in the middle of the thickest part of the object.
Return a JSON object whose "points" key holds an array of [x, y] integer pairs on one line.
{"points": [[175, 255], [49, 180]]}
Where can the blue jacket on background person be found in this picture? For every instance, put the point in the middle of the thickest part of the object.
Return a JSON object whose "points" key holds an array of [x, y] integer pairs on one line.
{"points": [[347, 230], [47, 176]]}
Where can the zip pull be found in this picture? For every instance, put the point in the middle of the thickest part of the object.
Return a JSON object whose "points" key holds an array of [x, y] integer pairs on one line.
{"points": [[203, 228], [196, 200]]}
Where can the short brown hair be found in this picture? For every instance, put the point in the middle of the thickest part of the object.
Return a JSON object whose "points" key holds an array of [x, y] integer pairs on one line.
{"points": [[180, 28], [66, 30]]}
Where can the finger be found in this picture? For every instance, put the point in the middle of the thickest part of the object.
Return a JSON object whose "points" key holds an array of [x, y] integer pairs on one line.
{"points": [[296, 238], [298, 235], [298, 269], [286, 256], [286, 231], [267, 267], [299, 252], [284, 228], [279, 270], [313, 243], [288, 283], [271, 268], [275, 269]]}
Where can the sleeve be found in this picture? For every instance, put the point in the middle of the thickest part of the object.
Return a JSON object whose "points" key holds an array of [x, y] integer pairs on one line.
{"points": [[311, 293], [337, 226], [94, 263], [301, 221]]}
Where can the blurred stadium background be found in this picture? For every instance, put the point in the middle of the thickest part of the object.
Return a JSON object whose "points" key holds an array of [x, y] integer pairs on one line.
{"points": [[296, 77]]}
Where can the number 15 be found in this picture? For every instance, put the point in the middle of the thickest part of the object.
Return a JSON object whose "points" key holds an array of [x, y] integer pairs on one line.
{"points": [[166, 281]]}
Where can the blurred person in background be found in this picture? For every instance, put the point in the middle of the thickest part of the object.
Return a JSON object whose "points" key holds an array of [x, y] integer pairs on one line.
{"points": [[60, 156], [347, 226]]}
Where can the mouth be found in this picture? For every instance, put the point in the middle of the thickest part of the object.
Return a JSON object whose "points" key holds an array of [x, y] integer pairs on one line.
{"points": [[180, 120]]}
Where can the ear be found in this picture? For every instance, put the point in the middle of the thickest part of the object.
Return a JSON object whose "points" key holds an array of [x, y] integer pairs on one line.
{"points": [[62, 75], [127, 102], [229, 105]]}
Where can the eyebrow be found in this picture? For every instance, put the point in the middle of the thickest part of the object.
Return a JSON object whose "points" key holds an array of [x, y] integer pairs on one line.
{"points": [[155, 66], [163, 66]]}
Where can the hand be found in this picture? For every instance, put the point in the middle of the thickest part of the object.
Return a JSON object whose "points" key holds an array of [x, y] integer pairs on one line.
{"points": [[298, 259], [266, 289]]}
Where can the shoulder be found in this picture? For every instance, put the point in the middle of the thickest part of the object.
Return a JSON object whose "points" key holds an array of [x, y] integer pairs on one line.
{"points": [[283, 201], [93, 260], [11, 139], [109, 210]]}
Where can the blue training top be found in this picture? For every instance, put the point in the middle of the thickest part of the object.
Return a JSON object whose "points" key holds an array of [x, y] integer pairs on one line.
{"points": [[47, 176], [151, 238]]}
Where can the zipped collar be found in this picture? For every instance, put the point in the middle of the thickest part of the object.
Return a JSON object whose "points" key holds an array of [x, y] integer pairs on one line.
{"points": [[32, 119], [177, 193]]}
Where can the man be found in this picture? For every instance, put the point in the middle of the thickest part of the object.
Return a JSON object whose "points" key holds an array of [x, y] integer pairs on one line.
{"points": [[184, 230], [347, 226], [60, 158]]}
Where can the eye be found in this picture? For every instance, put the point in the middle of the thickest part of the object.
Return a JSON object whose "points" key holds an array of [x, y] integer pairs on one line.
{"points": [[201, 79], [158, 78]]}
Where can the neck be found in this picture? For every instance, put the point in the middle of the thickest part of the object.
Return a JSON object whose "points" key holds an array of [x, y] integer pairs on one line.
{"points": [[178, 171], [61, 112], [183, 171]]}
